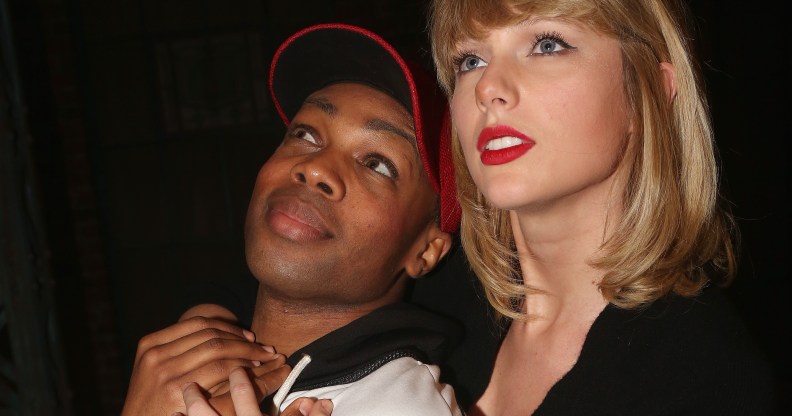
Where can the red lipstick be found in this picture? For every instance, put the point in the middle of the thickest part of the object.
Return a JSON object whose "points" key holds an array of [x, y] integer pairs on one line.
{"points": [[502, 144]]}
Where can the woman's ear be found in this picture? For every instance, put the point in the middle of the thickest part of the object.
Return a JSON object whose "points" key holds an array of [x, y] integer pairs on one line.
{"points": [[668, 73], [436, 244]]}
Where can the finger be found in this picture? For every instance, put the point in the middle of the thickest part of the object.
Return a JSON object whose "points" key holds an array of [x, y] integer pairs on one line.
{"points": [[299, 407], [256, 371], [277, 361], [243, 394], [308, 406], [322, 407], [198, 323], [195, 402], [175, 336], [211, 345], [191, 325], [269, 382], [180, 340], [211, 361], [210, 310]]}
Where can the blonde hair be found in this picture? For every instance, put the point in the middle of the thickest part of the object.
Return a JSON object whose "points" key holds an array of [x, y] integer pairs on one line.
{"points": [[675, 235]]}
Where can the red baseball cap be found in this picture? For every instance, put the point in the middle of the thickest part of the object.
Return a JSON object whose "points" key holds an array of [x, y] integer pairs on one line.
{"points": [[324, 54]]}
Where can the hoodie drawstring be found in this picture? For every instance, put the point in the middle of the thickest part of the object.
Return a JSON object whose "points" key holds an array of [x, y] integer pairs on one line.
{"points": [[280, 395]]}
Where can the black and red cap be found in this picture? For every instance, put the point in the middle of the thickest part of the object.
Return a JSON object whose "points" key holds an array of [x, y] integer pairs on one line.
{"points": [[324, 54]]}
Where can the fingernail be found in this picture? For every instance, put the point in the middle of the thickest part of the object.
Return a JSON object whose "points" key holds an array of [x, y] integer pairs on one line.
{"points": [[305, 408], [268, 348], [249, 335], [257, 363], [326, 405]]}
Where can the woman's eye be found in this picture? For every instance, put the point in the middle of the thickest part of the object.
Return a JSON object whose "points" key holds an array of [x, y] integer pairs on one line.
{"points": [[548, 44], [382, 166], [468, 62]]}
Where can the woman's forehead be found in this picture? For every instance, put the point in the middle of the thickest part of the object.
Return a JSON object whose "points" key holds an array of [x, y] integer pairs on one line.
{"points": [[475, 20]]}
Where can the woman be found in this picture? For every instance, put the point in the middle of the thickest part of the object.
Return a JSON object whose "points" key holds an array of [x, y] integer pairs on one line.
{"points": [[588, 180]]}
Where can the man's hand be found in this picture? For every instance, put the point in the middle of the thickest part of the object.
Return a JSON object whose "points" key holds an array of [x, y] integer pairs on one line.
{"points": [[202, 351], [245, 402]]}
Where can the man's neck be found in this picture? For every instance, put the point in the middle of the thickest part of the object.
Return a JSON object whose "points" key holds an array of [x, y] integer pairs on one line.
{"points": [[289, 325]]}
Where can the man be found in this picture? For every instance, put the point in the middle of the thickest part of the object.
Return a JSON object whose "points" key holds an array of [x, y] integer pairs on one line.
{"points": [[351, 206]]}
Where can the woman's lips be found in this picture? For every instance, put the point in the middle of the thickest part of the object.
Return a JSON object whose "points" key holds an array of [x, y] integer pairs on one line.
{"points": [[297, 220], [502, 144]]}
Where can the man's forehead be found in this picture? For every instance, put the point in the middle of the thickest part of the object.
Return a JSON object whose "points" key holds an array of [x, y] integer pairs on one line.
{"points": [[326, 101], [344, 86], [323, 103]]}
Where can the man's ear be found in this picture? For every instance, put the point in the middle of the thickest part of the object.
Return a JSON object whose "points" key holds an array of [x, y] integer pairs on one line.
{"points": [[436, 244], [668, 72]]}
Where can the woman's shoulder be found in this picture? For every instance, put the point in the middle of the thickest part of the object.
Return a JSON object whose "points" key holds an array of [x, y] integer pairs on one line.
{"points": [[678, 356], [698, 344], [709, 318]]}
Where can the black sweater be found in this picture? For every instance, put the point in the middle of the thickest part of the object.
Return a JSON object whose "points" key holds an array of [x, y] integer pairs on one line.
{"points": [[678, 357]]}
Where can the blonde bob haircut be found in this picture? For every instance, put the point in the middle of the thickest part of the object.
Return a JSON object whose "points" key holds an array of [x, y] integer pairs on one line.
{"points": [[676, 234]]}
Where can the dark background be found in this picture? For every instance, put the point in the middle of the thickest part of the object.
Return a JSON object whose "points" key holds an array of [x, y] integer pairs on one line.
{"points": [[132, 130]]}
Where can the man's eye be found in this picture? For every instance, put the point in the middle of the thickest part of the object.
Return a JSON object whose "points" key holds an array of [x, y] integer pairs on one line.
{"points": [[304, 134], [468, 62], [382, 166]]}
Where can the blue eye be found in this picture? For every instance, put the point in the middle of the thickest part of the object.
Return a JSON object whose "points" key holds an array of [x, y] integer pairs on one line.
{"points": [[381, 165], [468, 62], [549, 44]]}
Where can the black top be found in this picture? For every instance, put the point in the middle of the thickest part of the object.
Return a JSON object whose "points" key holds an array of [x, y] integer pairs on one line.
{"points": [[680, 356]]}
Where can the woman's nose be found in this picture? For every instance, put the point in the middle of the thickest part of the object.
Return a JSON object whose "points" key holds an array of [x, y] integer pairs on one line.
{"points": [[496, 88]]}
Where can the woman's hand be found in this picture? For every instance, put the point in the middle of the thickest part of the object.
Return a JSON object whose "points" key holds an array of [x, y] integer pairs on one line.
{"points": [[243, 395]]}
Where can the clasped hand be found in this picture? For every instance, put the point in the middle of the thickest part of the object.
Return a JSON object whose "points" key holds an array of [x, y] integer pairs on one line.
{"points": [[243, 395], [191, 362]]}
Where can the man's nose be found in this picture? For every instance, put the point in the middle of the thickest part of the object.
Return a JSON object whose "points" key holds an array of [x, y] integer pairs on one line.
{"points": [[319, 172]]}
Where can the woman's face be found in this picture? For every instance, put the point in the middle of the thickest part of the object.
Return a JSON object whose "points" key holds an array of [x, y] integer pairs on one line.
{"points": [[541, 114]]}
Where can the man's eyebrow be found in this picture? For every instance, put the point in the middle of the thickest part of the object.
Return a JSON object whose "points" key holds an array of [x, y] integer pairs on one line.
{"points": [[380, 124], [324, 104]]}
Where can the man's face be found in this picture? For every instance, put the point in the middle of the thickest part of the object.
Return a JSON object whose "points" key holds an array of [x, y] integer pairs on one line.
{"points": [[336, 211]]}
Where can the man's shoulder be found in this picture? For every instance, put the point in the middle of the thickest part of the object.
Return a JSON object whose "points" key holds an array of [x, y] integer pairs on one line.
{"points": [[403, 386]]}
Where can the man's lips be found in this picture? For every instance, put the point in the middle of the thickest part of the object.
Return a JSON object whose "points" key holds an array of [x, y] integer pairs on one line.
{"points": [[502, 144], [296, 219]]}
